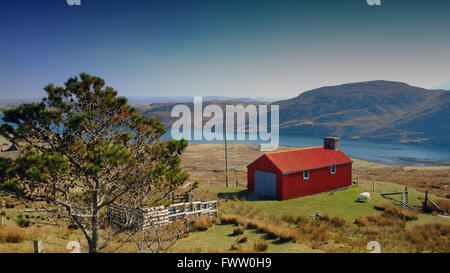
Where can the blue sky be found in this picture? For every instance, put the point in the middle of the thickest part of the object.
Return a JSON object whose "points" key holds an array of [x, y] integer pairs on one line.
{"points": [[254, 48]]}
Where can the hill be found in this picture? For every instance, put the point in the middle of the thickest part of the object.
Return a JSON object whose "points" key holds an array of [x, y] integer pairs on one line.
{"points": [[162, 111], [375, 110], [379, 110]]}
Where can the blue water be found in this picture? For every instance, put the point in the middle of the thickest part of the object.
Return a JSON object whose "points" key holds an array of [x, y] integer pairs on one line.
{"points": [[404, 154]]}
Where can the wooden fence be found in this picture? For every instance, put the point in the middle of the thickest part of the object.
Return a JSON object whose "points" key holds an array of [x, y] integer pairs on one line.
{"points": [[429, 204], [181, 198], [161, 215], [404, 197]]}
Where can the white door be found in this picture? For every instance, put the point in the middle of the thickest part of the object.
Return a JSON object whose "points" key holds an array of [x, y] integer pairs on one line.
{"points": [[266, 183]]}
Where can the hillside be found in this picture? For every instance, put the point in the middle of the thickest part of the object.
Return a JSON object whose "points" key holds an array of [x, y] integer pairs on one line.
{"points": [[162, 111], [375, 110], [381, 110]]}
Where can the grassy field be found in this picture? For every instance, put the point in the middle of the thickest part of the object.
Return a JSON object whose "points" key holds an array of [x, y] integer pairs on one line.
{"points": [[235, 201], [219, 238], [205, 164]]}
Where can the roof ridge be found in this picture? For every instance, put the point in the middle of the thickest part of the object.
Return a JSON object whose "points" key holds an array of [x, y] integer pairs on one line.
{"points": [[294, 150]]}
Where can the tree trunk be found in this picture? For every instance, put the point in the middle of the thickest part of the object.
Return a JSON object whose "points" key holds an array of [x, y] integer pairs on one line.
{"points": [[94, 226]]}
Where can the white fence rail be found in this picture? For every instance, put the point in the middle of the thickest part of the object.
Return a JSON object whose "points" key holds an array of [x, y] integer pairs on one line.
{"points": [[161, 215]]}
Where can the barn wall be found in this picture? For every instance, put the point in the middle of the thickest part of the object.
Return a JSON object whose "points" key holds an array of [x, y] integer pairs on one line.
{"points": [[265, 165], [320, 180]]}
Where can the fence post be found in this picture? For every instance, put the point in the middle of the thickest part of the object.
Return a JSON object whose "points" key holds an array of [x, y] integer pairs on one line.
{"points": [[425, 205], [405, 198], [406, 195], [38, 246], [2, 212]]}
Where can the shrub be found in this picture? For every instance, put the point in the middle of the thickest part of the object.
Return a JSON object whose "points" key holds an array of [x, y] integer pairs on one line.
{"points": [[292, 219], [432, 237], [202, 223], [403, 214], [321, 233], [229, 219], [64, 232], [371, 230], [381, 207], [287, 234], [12, 234], [238, 230], [325, 218], [242, 240], [234, 246], [384, 220], [338, 221], [362, 221], [302, 220], [22, 222], [260, 246]]}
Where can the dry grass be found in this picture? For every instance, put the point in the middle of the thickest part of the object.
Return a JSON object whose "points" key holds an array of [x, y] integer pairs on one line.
{"points": [[371, 230], [260, 246], [433, 179], [400, 213], [338, 221], [238, 230], [310, 232], [10, 233], [205, 163], [379, 220], [362, 221], [241, 240], [431, 237], [211, 169], [295, 219], [202, 223], [443, 204]]}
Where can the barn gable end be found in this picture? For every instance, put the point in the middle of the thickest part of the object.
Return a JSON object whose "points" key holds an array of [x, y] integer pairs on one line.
{"points": [[328, 168]]}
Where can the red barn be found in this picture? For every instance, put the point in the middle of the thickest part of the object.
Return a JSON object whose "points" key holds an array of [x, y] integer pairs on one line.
{"points": [[299, 172]]}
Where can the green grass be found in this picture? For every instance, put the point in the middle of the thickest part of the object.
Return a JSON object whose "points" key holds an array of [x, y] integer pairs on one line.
{"points": [[236, 200], [219, 238], [341, 203]]}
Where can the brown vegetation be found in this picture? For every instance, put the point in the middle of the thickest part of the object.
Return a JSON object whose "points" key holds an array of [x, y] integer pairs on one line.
{"points": [[10, 233], [202, 223], [260, 246], [435, 180], [238, 230], [433, 237], [443, 204], [403, 214]]}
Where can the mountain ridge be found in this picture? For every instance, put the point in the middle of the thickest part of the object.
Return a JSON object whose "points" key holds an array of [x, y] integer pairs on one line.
{"points": [[372, 110], [378, 110]]}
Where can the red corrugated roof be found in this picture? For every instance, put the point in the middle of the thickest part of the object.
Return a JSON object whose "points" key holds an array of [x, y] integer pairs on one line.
{"points": [[306, 159]]}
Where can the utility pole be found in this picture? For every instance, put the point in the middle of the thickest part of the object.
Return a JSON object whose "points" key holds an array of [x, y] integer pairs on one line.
{"points": [[226, 154]]}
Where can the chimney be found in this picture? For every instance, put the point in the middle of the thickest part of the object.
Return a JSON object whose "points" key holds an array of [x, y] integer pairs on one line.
{"points": [[331, 143]]}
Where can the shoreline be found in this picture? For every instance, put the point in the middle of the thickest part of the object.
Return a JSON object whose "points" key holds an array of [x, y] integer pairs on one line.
{"points": [[431, 162]]}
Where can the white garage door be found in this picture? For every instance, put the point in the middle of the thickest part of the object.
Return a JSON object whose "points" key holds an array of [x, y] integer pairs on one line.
{"points": [[266, 183]]}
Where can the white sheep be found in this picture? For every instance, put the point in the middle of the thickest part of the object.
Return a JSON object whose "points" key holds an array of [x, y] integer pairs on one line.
{"points": [[364, 197]]}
